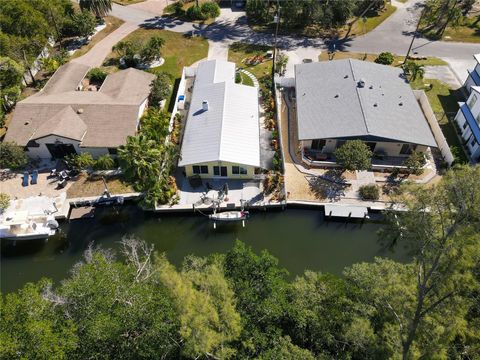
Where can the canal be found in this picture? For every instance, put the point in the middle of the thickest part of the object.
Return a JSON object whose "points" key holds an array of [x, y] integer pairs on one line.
{"points": [[300, 239]]}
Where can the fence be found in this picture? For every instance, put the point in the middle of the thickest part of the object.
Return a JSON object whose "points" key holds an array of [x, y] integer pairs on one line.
{"points": [[434, 126]]}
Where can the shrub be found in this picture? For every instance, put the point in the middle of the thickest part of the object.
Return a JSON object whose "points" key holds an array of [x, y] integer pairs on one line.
{"points": [[415, 163], [97, 75], [354, 155], [104, 162], [4, 201], [81, 161], [80, 24], [210, 9], [151, 50], [160, 89], [238, 77], [12, 156], [385, 58], [195, 13], [369, 192], [277, 161]]}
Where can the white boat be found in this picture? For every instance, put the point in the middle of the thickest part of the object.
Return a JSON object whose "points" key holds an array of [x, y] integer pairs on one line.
{"points": [[229, 216], [22, 226]]}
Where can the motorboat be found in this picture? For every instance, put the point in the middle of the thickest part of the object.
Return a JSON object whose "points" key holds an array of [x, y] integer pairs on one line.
{"points": [[21, 225], [108, 201], [229, 216]]}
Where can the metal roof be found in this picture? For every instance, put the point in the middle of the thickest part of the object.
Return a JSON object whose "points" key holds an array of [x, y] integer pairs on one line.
{"points": [[474, 126], [229, 130], [332, 103]]}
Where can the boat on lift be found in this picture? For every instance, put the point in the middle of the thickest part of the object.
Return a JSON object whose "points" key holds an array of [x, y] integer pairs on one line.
{"points": [[21, 225], [230, 216]]}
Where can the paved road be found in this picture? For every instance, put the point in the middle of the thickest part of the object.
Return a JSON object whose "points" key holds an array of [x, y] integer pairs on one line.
{"points": [[393, 35]]}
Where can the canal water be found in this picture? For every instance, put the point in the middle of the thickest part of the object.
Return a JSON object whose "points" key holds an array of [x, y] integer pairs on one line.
{"points": [[300, 239]]}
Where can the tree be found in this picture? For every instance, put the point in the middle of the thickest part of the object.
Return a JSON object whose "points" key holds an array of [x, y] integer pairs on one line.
{"points": [[99, 7], [84, 23], [258, 11], [415, 163], [151, 50], [31, 328], [11, 74], [439, 14], [154, 124], [442, 229], [104, 162], [4, 201], [354, 155], [385, 58], [49, 64], [160, 89], [284, 349], [80, 161], [129, 52], [414, 70], [210, 9], [195, 13], [97, 75], [281, 64], [12, 156]]}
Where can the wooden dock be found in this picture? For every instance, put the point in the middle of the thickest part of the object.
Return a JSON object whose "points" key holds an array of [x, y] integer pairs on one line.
{"points": [[346, 211]]}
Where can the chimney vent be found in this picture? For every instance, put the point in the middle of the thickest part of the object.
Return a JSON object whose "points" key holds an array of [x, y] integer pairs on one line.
{"points": [[361, 83], [205, 105], [80, 111]]}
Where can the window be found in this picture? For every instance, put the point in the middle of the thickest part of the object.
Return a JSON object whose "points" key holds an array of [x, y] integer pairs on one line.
{"points": [[465, 125], [238, 170], [478, 119], [407, 149], [371, 145], [203, 169], [318, 144], [471, 102], [220, 170], [112, 151], [472, 144], [340, 143]]}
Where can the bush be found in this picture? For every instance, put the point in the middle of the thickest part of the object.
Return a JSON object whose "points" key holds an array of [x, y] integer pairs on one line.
{"points": [[12, 156], [385, 58], [195, 13], [80, 24], [4, 201], [81, 161], [104, 162], [415, 163], [210, 9], [97, 75], [369, 192], [277, 161], [160, 89], [354, 155]]}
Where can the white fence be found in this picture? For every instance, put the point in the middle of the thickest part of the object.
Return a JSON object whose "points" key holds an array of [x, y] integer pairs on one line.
{"points": [[180, 91], [434, 126]]}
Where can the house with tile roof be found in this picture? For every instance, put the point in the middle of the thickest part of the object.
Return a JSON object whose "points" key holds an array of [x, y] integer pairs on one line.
{"points": [[61, 119], [222, 134], [350, 99]]}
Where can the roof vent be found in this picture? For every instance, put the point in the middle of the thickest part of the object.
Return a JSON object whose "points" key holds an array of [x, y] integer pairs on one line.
{"points": [[361, 83], [26, 123], [205, 105], [375, 105], [80, 111], [400, 103], [346, 76], [337, 95], [370, 87]]}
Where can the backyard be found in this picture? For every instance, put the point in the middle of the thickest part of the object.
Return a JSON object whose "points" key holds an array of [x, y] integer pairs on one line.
{"points": [[93, 186]]}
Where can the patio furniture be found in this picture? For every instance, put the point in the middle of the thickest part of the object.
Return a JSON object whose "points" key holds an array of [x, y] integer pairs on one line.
{"points": [[62, 175], [61, 184], [53, 173], [25, 179], [34, 177]]}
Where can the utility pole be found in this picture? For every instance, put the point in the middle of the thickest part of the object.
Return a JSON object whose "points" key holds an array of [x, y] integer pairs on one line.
{"points": [[414, 36], [276, 19]]}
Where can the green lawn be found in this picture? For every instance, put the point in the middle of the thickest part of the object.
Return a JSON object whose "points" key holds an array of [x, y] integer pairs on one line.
{"points": [[443, 101], [398, 60], [127, 2], [246, 80], [238, 52], [179, 51], [373, 20], [468, 31]]}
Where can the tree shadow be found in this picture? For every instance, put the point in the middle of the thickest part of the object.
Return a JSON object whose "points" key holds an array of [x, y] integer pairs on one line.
{"points": [[331, 186]]}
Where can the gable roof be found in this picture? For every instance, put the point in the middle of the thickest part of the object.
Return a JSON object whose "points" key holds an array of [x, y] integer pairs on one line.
{"points": [[229, 130], [110, 115], [332, 104]]}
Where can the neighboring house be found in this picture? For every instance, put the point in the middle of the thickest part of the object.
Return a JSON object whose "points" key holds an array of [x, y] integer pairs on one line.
{"points": [[468, 120], [221, 137], [473, 78], [61, 119], [351, 99]]}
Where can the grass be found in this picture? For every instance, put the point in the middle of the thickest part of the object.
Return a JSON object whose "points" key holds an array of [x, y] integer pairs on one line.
{"points": [[87, 186], [398, 60], [238, 52], [468, 31], [112, 23], [246, 80], [127, 2], [443, 101], [373, 20]]}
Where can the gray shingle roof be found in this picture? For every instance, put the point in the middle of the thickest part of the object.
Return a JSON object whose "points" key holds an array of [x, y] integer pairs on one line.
{"points": [[331, 104]]}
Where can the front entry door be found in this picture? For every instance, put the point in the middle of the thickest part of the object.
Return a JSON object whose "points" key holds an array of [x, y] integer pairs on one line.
{"points": [[59, 151], [220, 171]]}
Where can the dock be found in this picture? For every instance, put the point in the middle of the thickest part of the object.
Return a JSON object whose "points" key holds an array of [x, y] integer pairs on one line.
{"points": [[346, 211], [84, 212]]}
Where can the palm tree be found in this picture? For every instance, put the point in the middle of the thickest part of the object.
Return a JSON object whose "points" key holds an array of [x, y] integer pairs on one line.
{"points": [[99, 7], [414, 70]]}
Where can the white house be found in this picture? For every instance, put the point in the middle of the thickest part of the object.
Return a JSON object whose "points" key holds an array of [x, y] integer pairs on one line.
{"points": [[473, 78], [60, 119], [222, 134], [468, 120]]}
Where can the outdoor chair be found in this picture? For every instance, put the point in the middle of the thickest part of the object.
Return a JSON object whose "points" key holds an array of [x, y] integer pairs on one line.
{"points": [[25, 179], [34, 177], [61, 184]]}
